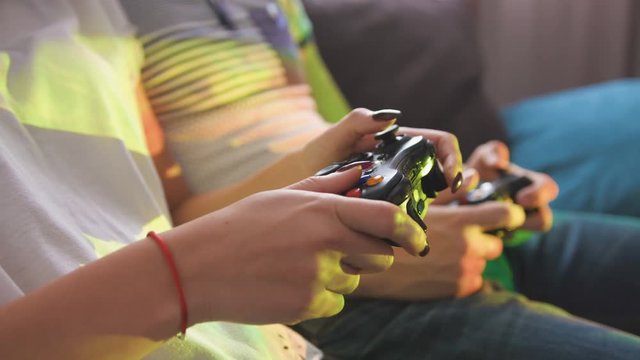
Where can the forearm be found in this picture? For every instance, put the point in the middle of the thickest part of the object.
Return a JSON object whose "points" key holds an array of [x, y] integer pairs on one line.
{"points": [[119, 306], [289, 169]]}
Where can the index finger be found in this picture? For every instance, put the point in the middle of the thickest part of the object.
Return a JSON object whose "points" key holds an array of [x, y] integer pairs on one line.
{"points": [[447, 151], [382, 220], [493, 215], [540, 193]]}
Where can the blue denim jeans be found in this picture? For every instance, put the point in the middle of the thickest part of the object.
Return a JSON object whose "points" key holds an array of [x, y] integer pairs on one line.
{"points": [[583, 274]]}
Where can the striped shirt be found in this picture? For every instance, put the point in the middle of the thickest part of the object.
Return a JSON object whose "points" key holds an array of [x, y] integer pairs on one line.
{"points": [[226, 82]]}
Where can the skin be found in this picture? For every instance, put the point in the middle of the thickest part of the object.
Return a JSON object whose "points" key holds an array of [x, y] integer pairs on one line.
{"points": [[325, 239], [354, 133], [63, 320], [460, 247]]}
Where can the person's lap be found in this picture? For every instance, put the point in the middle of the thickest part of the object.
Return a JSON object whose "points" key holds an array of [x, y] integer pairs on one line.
{"points": [[589, 265], [584, 264]]}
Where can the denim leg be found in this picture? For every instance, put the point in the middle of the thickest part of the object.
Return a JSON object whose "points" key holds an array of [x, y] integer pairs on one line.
{"points": [[492, 324], [588, 264]]}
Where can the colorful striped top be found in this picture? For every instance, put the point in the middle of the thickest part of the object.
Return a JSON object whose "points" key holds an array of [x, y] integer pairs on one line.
{"points": [[226, 81]]}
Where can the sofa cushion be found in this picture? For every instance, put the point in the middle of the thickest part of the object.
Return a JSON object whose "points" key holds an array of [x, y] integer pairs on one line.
{"points": [[588, 139], [417, 56]]}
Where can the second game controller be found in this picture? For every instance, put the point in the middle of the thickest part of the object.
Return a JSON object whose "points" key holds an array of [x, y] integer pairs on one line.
{"points": [[504, 188]]}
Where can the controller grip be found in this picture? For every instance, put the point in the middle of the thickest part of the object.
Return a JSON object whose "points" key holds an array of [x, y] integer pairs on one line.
{"points": [[434, 181], [515, 184]]}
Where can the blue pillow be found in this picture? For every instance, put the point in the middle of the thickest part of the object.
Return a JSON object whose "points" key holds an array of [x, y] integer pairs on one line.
{"points": [[588, 139]]}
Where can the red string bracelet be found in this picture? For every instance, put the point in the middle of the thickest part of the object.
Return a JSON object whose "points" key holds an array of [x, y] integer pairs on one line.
{"points": [[168, 256]]}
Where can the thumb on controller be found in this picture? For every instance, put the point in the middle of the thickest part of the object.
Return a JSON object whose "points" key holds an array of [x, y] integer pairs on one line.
{"points": [[335, 183]]}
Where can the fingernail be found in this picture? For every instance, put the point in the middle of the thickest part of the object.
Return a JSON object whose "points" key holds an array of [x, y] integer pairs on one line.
{"points": [[425, 251], [349, 167], [386, 114], [456, 184]]}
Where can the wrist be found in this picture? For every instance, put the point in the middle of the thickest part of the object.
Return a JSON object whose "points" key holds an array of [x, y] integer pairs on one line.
{"points": [[197, 259], [173, 270], [161, 304]]}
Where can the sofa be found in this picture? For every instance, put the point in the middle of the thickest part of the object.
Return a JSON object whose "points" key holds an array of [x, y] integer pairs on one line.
{"points": [[422, 57]]}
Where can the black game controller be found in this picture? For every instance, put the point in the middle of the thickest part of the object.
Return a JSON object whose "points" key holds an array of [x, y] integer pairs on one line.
{"points": [[402, 170], [504, 188]]}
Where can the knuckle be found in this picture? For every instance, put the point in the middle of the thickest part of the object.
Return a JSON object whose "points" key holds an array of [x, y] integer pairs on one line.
{"points": [[551, 184], [469, 285], [450, 137], [307, 273], [302, 305], [318, 206], [503, 212], [390, 217], [337, 307], [496, 144], [354, 281], [495, 249], [299, 302], [360, 111], [465, 244], [472, 266], [332, 241], [314, 182]]}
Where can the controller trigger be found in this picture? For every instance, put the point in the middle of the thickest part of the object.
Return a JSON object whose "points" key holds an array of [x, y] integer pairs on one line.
{"points": [[434, 181], [415, 216]]}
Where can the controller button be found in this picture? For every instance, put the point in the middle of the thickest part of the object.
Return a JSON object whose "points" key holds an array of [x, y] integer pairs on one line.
{"points": [[355, 193], [364, 164], [375, 180], [363, 179]]}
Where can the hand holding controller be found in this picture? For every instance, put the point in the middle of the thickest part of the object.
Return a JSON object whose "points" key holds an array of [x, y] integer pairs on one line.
{"points": [[504, 188], [402, 170]]}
